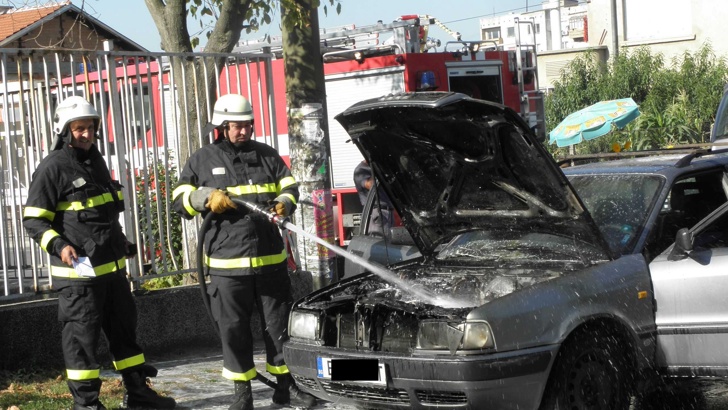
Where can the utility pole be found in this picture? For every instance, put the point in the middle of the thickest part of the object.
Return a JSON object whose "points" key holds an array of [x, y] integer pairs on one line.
{"points": [[615, 33], [308, 138]]}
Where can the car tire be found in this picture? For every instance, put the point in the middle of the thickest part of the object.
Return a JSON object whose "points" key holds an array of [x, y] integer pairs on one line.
{"points": [[590, 373]]}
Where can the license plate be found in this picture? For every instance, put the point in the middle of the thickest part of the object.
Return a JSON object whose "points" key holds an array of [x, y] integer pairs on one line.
{"points": [[358, 370]]}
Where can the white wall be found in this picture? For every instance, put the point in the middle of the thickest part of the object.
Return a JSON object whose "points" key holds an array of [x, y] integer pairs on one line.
{"points": [[670, 27]]}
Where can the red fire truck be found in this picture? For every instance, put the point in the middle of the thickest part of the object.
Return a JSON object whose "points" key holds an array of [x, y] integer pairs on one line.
{"points": [[381, 59]]}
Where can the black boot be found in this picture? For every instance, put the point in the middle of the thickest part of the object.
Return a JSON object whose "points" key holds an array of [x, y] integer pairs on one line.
{"points": [[86, 394], [139, 395], [97, 406], [288, 393], [243, 397]]}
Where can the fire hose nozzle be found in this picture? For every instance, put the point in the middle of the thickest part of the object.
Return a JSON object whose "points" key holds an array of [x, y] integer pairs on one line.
{"points": [[277, 219], [270, 216]]}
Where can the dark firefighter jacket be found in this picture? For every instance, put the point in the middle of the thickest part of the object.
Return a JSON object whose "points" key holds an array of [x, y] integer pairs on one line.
{"points": [[72, 200], [238, 242]]}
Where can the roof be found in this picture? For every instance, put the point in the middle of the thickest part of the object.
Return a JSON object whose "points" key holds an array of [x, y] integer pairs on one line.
{"points": [[15, 20], [16, 23], [656, 162]]}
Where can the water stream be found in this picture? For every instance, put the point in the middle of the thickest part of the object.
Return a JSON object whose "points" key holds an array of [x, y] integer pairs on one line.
{"points": [[421, 294]]}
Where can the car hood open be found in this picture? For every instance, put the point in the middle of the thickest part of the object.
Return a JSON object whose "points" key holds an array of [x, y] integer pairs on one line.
{"points": [[450, 164]]}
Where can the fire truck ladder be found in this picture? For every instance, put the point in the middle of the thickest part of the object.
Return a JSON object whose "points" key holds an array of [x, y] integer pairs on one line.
{"points": [[405, 36], [435, 21], [528, 51]]}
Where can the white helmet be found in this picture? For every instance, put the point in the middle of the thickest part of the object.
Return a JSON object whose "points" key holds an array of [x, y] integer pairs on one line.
{"points": [[71, 109], [231, 107]]}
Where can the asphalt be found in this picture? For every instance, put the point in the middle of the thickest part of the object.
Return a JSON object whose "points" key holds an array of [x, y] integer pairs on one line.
{"points": [[196, 382]]}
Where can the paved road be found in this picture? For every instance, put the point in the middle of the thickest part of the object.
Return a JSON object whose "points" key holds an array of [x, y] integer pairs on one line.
{"points": [[196, 383]]}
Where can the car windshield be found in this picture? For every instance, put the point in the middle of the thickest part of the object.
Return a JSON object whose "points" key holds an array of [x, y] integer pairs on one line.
{"points": [[619, 204], [513, 247]]}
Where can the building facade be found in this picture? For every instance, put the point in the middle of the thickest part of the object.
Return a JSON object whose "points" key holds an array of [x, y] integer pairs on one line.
{"points": [[564, 29]]}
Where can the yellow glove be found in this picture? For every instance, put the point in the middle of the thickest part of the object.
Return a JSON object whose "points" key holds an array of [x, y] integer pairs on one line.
{"points": [[219, 202], [280, 209]]}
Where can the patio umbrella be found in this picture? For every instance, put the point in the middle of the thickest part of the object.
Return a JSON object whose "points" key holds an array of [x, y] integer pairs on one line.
{"points": [[594, 121]]}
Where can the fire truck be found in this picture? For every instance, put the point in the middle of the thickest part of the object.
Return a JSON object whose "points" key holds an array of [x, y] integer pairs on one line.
{"points": [[373, 61]]}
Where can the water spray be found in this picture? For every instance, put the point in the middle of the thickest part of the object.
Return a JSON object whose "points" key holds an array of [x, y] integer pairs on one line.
{"points": [[387, 275]]}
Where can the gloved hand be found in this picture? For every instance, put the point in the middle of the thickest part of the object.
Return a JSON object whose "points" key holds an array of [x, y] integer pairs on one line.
{"points": [[281, 206], [198, 198], [219, 202], [130, 250], [279, 209]]}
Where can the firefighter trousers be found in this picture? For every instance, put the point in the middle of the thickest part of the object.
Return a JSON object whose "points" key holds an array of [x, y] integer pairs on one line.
{"points": [[233, 300], [85, 308]]}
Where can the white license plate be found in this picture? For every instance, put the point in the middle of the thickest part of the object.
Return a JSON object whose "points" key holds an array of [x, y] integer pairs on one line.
{"points": [[357, 370]]}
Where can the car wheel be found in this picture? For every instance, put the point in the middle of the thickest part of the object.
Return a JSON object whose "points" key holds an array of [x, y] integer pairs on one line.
{"points": [[590, 373]]}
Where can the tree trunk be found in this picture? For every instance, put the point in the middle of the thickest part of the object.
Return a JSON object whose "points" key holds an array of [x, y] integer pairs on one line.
{"points": [[309, 139], [195, 78]]}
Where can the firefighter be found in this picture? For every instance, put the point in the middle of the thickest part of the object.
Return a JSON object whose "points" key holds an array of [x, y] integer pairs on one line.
{"points": [[72, 212], [245, 256]]}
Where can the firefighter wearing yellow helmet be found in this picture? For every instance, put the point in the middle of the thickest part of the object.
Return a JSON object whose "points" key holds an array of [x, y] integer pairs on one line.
{"points": [[72, 212]]}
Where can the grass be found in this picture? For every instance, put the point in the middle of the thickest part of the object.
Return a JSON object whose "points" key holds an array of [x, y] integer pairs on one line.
{"points": [[47, 390]]}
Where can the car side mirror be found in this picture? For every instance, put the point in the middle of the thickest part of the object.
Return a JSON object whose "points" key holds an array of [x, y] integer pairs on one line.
{"points": [[400, 236], [683, 245]]}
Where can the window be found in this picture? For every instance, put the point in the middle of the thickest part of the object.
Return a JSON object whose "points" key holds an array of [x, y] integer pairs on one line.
{"points": [[511, 32], [619, 204], [491, 33], [690, 200], [576, 23], [657, 19], [714, 234], [538, 28]]}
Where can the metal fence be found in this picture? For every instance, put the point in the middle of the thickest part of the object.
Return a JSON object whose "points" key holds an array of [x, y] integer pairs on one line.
{"points": [[147, 124]]}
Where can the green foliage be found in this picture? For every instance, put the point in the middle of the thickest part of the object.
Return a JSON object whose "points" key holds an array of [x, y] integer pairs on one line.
{"points": [[162, 235], [678, 102], [260, 13]]}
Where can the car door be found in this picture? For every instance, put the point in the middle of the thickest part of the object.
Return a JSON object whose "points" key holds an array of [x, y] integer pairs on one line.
{"points": [[690, 290]]}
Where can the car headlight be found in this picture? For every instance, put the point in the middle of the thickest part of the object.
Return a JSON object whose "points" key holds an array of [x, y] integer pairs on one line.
{"points": [[441, 335], [303, 324], [477, 335]]}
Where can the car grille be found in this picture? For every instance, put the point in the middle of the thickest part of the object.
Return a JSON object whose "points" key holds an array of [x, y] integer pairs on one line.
{"points": [[441, 397], [366, 393], [307, 383], [385, 332]]}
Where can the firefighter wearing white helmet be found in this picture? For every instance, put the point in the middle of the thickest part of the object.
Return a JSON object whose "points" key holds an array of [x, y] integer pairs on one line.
{"points": [[232, 107], [72, 109], [245, 255], [72, 212]]}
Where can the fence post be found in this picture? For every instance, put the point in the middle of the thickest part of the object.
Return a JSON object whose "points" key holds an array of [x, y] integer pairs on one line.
{"points": [[119, 145]]}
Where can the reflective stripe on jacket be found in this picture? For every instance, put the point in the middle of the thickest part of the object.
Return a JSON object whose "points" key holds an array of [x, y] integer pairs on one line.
{"points": [[238, 242], [73, 201]]}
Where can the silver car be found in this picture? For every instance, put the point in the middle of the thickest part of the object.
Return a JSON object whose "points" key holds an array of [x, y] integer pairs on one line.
{"points": [[519, 297]]}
